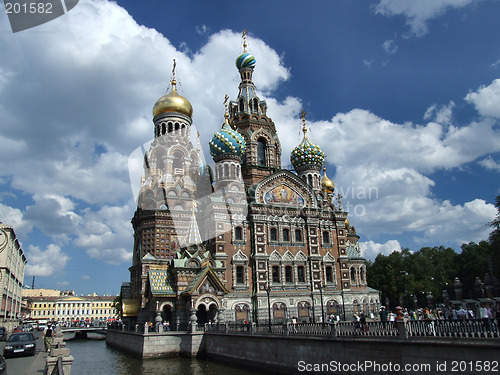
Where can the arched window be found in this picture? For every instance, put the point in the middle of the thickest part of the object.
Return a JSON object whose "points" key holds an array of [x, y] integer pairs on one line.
{"points": [[329, 274], [353, 275], [178, 161], [301, 274], [310, 179], [261, 152], [298, 235], [255, 105], [286, 235], [326, 237], [276, 274], [238, 234], [226, 170], [242, 105], [240, 272], [288, 274], [274, 234]]}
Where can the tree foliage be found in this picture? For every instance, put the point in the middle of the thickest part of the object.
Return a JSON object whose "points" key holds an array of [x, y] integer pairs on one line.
{"points": [[404, 277]]}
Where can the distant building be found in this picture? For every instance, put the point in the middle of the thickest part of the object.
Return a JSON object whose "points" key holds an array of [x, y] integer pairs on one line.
{"points": [[70, 308], [12, 265], [41, 292]]}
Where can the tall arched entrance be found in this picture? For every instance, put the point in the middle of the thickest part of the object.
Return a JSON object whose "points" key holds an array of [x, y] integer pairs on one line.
{"points": [[166, 314], [205, 315]]}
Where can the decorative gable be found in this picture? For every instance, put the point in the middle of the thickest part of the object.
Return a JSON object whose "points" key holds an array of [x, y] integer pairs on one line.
{"points": [[286, 189]]}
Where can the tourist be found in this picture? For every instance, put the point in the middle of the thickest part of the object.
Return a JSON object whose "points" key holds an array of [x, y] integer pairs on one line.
{"points": [[48, 334], [383, 316]]}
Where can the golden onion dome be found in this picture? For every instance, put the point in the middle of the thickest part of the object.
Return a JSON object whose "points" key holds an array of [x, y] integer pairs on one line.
{"points": [[327, 185], [347, 223], [173, 102]]}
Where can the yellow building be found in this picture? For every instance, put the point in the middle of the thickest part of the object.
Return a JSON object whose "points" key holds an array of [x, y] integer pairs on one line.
{"points": [[65, 309]]}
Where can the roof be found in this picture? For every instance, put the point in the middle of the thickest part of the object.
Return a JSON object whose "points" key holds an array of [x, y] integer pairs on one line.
{"points": [[205, 272], [159, 283]]}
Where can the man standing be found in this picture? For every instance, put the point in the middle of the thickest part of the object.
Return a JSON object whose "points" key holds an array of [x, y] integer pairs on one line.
{"points": [[383, 316]]}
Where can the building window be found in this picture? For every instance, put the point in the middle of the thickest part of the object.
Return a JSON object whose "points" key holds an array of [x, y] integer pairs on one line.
{"points": [[288, 274], [240, 275], [274, 234], [353, 275], [301, 275], [276, 274], [238, 234], [329, 274], [326, 237], [261, 152], [286, 235], [298, 235]]}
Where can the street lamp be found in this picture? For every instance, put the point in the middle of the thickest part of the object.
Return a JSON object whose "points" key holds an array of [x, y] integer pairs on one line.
{"points": [[343, 304], [322, 307], [268, 290]]}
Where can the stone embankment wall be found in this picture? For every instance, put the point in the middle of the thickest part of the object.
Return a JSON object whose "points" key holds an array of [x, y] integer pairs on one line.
{"points": [[153, 345], [299, 354], [287, 355]]}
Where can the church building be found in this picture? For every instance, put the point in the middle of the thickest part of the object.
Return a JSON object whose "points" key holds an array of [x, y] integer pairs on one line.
{"points": [[248, 240]]}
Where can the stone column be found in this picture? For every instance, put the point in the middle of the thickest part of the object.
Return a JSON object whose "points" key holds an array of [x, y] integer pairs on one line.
{"points": [[158, 320], [58, 351], [193, 320], [220, 316]]}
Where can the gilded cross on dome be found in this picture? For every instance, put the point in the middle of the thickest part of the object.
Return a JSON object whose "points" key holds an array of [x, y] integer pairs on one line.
{"points": [[303, 118], [339, 199]]}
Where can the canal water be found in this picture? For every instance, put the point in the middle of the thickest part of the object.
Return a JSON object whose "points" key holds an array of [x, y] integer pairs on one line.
{"points": [[94, 357]]}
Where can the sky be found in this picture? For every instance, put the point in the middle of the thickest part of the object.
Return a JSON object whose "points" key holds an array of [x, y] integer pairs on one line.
{"points": [[402, 96]]}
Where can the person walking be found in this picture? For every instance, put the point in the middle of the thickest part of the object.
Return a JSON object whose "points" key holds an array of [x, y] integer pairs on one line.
{"points": [[47, 338]]}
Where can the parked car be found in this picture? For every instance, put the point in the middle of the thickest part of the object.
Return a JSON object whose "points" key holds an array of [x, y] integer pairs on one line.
{"points": [[20, 344], [3, 366], [3, 334]]}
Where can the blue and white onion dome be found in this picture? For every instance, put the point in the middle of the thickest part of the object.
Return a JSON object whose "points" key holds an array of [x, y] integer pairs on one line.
{"points": [[227, 141], [307, 153], [245, 60]]}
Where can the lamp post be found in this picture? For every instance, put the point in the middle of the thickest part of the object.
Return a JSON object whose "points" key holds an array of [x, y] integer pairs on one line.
{"points": [[322, 307], [343, 305], [268, 290]]}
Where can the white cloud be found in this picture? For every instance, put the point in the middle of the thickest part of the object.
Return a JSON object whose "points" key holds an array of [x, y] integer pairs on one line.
{"points": [[107, 234], [390, 47], [100, 75], [370, 249], [487, 99], [490, 163], [419, 13], [46, 262], [14, 217], [440, 114]]}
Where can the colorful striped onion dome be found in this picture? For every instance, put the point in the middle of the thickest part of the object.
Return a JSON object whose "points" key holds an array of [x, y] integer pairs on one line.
{"points": [[307, 153], [245, 60], [227, 141]]}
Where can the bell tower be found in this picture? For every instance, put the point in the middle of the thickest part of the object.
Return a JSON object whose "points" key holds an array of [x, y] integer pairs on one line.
{"points": [[248, 115]]}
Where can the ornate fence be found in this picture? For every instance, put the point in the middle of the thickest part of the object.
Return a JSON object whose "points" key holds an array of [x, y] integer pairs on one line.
{"points": [[487, 328], [453, 328]]}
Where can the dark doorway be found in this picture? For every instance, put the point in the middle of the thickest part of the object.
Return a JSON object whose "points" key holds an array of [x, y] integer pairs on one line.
{"points": [[202, 314], [167, 314], [212, 313]]}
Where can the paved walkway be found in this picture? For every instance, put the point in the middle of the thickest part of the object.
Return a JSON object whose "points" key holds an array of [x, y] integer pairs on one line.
{"points": [[38, 365]]}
